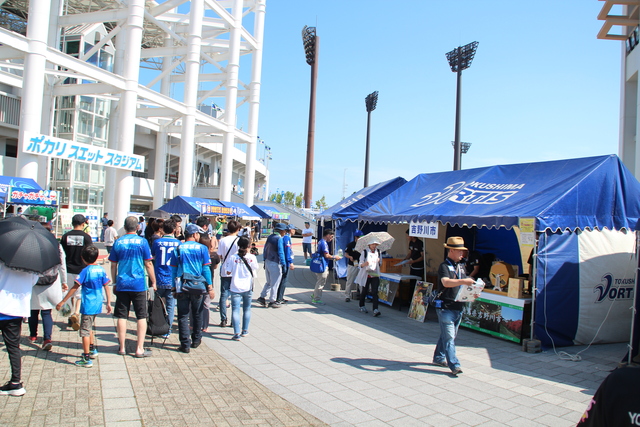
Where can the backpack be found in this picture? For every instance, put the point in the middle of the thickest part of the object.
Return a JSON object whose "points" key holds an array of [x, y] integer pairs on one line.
{"points": [[157, 324]]}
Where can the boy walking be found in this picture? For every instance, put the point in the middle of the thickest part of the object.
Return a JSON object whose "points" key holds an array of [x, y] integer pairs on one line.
{"points": [[92, 279]]}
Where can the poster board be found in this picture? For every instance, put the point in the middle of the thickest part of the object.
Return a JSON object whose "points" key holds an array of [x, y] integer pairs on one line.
{"points": [[417, 310]]}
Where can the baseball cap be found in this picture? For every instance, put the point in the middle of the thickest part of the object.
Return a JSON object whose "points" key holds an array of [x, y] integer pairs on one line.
{"points": [[281, 226], [307, 222], [358, 233], [78, 219], [193, 229]]}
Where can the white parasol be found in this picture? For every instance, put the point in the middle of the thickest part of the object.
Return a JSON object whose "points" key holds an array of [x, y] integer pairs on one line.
{"points": [[381, 237]]}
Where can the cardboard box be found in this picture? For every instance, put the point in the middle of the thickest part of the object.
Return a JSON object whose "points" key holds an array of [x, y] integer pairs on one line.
{"points": [[516, 288], [388, 265]]}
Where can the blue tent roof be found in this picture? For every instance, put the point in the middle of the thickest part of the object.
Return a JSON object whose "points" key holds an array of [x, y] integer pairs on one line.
{"points": [[183, 205], [357, 203], [588, 193], [272, 212], [242, 210], [259, 211], [14, 181]]}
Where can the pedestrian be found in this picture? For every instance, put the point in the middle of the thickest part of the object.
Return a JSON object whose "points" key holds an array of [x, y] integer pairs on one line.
{"points": [[178, 232], [353, 258], [130, 257], [274, 264], [142, 226], [257, 226], [288, 258], [44, 297], [110, 236], [451, 275], [73, 242], [219, 228], [416, 255], [242, 268], [321, 278], [93, 279], [307, 238], [369, 275], [158, 230], [104, 222], [191, 260], [161, 251], [227, 246], [206, 240], [204, 223]]}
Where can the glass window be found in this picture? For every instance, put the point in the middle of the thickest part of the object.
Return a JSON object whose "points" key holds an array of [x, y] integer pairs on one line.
{"points": [[62, 169], [106, 61], [97, 174], [85, 123], [72, 48], [95, 196], [67, 101], [100, 128], [87, 103], [65, 121], [84, 139], [63, 194], [80, 195], [82, 172], [102, 107]]}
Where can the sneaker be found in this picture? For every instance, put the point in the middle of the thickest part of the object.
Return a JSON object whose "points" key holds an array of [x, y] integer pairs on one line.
{"points": [[12, 389], [283, 301], [456, 371], [275, 304], [75, 322], [165, 336], [84, 363], [347, 299], [236, 337], [376, 313], [196, 344], [93, 353], [262, 302], [46, 345], [317, 302], [443, 364], [244, 333], [223, 323], [184, 349], [364, 309], [33, 339]]}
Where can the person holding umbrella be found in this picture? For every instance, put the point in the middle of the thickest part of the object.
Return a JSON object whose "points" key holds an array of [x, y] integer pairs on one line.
{"points": [[26, 250], [370, 247]]}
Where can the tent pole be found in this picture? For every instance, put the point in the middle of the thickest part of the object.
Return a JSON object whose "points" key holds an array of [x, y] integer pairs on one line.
{"points": [[532, 280], [633, 308]]}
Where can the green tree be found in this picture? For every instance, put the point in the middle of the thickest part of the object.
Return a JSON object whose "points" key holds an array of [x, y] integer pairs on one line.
{"points": [[289, 198], [321, 204], [299, 200]]}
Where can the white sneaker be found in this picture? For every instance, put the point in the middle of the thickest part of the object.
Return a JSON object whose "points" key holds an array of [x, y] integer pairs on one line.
{"points": [[364, 309]]}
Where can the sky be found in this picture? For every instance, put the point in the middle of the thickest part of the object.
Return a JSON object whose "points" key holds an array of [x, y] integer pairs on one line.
{"points": [[541, 87]]}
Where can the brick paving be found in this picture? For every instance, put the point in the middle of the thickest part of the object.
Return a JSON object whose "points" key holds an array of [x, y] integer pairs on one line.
{"points": [[304, 365]]}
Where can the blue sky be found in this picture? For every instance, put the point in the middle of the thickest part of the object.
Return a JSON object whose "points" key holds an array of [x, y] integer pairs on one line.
{"points": [[541, 87]]}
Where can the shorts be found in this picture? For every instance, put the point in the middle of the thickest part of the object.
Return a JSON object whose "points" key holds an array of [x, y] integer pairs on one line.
{"points": [[306, 248], [71, 280], [123, 303], [86, 324]]}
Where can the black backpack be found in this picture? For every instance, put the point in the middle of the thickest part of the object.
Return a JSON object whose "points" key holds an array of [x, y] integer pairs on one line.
{"points": [[157, 324]]}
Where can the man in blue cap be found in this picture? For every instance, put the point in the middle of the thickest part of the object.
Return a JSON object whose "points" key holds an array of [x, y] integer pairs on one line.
{"points": [[288, 258], [352, 256], [274, 264]]}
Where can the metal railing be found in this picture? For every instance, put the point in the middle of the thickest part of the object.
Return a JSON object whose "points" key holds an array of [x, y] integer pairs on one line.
{"points": [[9, 109]]}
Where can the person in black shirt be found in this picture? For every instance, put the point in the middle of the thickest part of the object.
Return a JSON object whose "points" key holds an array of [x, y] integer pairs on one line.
{"points": [[616, 402], [451, 275], [352, 270], [416, 254]]}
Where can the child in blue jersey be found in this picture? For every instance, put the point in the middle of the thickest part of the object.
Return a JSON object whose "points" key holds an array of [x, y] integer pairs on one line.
{"points": [[92, 279]]}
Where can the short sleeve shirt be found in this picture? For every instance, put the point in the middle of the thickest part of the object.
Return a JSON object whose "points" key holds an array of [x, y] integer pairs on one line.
{"points": [[351, 251], [450, 270], [417, 248], [130, 252], [193, 255], [162, 249], [73, 242], [92, 279], [323, 247]]}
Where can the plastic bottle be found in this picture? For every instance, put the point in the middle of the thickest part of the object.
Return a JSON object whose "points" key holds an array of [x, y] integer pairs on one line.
{"points": [[340, 253]]}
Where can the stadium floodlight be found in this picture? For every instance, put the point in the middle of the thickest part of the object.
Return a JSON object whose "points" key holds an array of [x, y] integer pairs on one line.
{"points": [[311, 44], [370, 102]]}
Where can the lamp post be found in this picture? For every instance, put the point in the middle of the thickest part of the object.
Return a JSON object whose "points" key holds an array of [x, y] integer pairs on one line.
{"points": [[311, 44], [460, 59], [464, 148], [370, 102]]}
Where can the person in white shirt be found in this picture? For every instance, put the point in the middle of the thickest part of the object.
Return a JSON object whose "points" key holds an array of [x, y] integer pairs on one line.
{"points": [[307, 238], [242, 267], [227, 247], [110, 236]]}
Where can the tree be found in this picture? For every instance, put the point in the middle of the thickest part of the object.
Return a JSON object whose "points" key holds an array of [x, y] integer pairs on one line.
{"points": [[321, 204], [289, 198], [299, 200]]}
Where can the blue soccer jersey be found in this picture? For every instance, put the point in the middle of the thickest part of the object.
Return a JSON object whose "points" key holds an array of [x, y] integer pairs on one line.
{"points": [[161, 251], [91, 279], [130, 252], [193, 258]]}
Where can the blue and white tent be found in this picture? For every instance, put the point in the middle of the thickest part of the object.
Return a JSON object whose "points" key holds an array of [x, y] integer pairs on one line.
{"points": [[182, 205], [584, 212], [13, 181], [241, 210]]}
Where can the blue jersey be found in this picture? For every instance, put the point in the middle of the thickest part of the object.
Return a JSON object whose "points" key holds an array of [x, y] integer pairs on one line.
{"points": [[323, 247], [161, 251], [288, 252], [192, 258], [92, 278], [130, 252]]}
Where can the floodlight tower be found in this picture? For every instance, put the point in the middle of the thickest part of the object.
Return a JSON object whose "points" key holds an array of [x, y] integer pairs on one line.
{"points": [[311, 43], [464, 148], [460, 59], [370, 102]]}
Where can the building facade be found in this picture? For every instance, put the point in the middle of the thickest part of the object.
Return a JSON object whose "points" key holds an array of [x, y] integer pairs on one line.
{"points": [[175, 82]]}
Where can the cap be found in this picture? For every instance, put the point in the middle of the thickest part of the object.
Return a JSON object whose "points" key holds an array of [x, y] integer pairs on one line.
{"points": [[455, 242], [78, 219], [281, 226], [193, 229], [291, 227], [307, 222], [358, 233], [373, 241]]}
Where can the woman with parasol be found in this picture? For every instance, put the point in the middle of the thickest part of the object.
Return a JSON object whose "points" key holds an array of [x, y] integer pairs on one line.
{"points": [[370, 248]]}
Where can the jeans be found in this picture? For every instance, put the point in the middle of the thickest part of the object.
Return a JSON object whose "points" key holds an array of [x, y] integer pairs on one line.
{"points": [[237, 299], [446, 348], [372, 283], [225, 284], [47, 323], [283, 285], [273, 273], [11, 334], [171, 304], [187, 303], [206, 305]]}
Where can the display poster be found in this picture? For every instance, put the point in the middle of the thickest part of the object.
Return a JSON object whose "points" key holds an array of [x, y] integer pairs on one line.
{"points": [[418, 311], [427, 230], [495, 318], [387, 289], [527, 231], [26, 196]]}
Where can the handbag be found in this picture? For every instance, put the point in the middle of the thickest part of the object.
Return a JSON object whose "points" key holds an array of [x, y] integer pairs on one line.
{"points": [[191, 283], [433, 299], [318, 263]]}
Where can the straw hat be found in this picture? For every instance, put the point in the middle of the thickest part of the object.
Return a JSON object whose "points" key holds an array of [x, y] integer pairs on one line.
{"points": [[455, 242]]}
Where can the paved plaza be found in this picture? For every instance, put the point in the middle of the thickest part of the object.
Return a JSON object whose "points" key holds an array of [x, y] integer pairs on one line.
{"points": [[304, 365]]}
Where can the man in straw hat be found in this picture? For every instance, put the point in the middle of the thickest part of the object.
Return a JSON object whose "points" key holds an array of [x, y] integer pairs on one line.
{"points": [[451, 275]]}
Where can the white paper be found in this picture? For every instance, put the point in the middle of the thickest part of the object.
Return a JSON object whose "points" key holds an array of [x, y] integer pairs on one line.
{"points": [[469, 293], [405, 262]]}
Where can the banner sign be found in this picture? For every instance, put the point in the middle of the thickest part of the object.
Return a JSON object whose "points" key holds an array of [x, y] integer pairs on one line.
{"points": [[49, 146], [207, 209], [33, 197], [428, 230]]}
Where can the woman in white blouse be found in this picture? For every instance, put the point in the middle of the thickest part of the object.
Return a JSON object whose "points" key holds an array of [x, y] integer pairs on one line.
{"points": [[369, 275], [242, 267]]}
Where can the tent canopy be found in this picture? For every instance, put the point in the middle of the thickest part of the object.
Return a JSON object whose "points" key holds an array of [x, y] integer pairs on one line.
{"points": [[242, 210], [16, 182], [182, 205], [352, 206], [272, 212], [587, 193]]}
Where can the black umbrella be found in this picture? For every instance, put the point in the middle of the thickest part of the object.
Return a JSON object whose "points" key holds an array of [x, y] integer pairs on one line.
{"points": [[157, 213], [27, 245]]}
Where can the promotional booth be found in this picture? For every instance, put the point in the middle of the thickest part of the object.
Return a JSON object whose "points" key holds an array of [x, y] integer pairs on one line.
{"points": [[182, 205], [576, 218]]}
